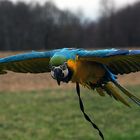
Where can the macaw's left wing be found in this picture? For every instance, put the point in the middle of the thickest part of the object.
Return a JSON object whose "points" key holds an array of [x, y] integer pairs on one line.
{"points": [[118, 61], [32, 62]]}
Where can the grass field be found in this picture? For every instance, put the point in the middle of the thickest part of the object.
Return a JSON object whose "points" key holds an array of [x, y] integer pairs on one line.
{"points": [[55, 115], [33, 107]]}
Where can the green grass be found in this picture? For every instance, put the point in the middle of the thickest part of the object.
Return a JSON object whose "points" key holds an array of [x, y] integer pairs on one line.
{"points": [[55, 115]]}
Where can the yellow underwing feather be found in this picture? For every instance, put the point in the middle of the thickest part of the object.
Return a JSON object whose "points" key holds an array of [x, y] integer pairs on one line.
{"points": [[36, 65]]}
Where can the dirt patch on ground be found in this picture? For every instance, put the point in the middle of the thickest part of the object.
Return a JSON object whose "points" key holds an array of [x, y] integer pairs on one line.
{"points": [[16, 81]]}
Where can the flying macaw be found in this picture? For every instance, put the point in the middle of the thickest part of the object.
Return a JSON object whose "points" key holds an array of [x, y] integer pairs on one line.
{"points": [[94, 69]]}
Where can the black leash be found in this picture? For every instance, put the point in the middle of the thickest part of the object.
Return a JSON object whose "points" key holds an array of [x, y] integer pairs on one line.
{"points": [[83, 111]]}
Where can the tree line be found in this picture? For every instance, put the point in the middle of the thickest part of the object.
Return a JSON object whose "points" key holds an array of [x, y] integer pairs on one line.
{"points": [[35, 27]]}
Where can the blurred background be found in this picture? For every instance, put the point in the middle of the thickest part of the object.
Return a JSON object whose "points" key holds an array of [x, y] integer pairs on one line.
{"points": [[32, 106], [37, 25]]}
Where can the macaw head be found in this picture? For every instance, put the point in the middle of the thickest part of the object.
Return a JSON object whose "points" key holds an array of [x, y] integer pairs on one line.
{"points": [[59, 69]]}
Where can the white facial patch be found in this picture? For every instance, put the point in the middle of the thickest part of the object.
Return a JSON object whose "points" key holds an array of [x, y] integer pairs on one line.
{"points": [[65, 72], [52, 74]]}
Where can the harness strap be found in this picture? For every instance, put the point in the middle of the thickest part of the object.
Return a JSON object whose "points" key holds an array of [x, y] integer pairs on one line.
{"points": [[83, 111]]}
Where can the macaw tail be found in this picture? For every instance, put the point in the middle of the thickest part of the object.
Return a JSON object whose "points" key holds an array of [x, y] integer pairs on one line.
{"points": [[130, 95], [113, 91]]}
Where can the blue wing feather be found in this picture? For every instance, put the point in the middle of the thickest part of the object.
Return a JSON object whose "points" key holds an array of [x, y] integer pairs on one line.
{"points": [[96, 53], [134, 52], [27, 56], [106, 52]]}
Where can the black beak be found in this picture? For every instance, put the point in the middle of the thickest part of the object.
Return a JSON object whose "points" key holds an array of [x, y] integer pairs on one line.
{"points": [[58, 74], [58, 82]]}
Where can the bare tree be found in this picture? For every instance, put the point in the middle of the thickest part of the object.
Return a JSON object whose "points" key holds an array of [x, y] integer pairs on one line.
{"points": [[106, 23], [107, 7]]}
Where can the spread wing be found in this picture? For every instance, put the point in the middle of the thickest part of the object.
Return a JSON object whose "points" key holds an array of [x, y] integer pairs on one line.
{"points": [[118, 61], [32, 62]]}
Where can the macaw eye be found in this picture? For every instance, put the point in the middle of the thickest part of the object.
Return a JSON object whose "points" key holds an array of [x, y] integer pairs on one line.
{"points": [[64, 66], [52, 68]]}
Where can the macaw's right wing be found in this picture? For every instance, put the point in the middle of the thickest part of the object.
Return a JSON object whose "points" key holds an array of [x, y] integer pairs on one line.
{"points": [[117, 61], [32, 62]]}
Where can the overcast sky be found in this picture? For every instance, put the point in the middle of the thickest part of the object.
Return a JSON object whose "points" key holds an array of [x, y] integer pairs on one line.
{"points": [[90, 8]]}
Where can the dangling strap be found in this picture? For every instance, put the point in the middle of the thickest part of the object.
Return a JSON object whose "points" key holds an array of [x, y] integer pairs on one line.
{"points": [[83, 111]]}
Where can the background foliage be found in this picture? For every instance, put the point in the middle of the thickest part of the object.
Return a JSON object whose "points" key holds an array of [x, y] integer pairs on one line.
{"points": [[33, 26]]}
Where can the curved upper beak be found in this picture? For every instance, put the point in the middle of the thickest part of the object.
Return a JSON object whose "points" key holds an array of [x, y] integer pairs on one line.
{"points": [[58, 74]]}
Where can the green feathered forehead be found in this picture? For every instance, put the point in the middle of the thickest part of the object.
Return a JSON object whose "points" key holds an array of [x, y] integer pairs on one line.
{"points": [[57, 60]]}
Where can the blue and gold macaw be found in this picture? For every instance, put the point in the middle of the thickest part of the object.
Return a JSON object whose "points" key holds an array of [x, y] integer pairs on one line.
{"points": [[97, 69]]}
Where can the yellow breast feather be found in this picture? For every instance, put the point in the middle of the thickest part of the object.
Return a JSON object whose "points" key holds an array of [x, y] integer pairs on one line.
{"points": [[84, 72]]}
